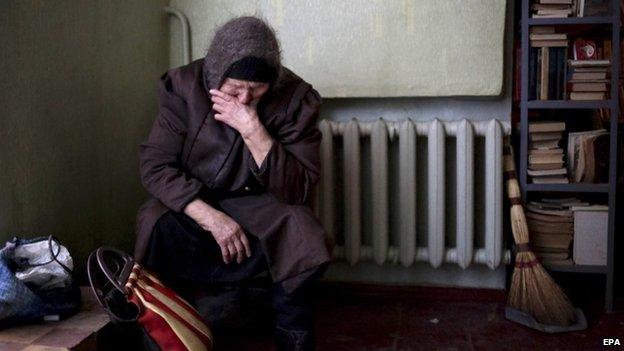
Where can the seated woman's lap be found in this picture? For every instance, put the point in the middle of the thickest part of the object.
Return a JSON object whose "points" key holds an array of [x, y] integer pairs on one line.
{"points": [[186, 257], [181, 253]]}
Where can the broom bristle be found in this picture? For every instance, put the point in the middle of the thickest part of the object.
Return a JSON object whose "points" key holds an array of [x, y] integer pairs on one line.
{"points": [[535, 292], [532, 290]]}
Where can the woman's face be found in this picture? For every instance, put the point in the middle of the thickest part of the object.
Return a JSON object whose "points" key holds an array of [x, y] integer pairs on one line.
{"points": [[245, 91]]}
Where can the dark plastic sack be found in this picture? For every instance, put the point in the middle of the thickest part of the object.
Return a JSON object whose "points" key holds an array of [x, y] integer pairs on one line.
{"points": [[21, 302]]}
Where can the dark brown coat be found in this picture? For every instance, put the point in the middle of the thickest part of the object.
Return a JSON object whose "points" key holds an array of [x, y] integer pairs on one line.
{"points": [[189, 154]]}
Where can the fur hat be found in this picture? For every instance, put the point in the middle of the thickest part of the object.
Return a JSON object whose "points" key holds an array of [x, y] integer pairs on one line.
{"points": [[236, 39]]}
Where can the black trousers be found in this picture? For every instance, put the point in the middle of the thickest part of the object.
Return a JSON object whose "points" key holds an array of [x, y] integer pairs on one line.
{"points": [[183, 255]]}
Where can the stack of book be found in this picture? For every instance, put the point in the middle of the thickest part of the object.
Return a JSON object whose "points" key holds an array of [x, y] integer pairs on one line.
{"points": [[570, 8], [588, 156], [551, 228], [552, 8], [547, 63], [546, 159], [588, 79]]}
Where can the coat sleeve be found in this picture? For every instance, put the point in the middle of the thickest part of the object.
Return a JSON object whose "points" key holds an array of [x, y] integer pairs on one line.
{"points": [[292, 166], [160, 164]]}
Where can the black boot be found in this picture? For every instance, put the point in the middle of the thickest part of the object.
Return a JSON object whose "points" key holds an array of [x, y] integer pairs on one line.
{"points": [[294, 340]]}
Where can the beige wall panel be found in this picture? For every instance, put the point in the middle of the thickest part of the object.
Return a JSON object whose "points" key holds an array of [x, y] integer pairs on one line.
{"points": [[374, 48]]}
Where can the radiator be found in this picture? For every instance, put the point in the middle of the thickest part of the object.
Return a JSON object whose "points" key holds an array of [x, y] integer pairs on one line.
{"points": [[382, 135]]}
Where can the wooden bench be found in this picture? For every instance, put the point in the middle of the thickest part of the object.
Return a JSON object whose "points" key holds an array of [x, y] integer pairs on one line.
{"points": [[76, 333]]}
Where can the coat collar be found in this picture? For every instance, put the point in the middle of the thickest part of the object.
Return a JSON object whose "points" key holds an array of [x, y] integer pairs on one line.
{"points": [[209, 136]]}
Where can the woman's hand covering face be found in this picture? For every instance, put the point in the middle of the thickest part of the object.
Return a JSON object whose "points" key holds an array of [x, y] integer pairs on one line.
{"points": [[231, 111], [239, 112]]}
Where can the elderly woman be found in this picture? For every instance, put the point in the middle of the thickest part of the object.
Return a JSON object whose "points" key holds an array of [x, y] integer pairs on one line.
{"points": [[230, 162]]}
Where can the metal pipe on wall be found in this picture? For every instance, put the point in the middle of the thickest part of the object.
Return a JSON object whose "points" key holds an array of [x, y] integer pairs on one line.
{"points": [[186, 38]]}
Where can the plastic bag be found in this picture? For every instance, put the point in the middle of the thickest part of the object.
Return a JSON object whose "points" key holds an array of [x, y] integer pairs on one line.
{"points": [[38, 266], [43, 293]]}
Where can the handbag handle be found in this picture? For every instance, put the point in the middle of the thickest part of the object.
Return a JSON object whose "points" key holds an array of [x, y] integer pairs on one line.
{"points": [[118, 278], [119, 281]]}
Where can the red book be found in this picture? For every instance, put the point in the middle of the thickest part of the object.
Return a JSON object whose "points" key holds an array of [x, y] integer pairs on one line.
{"points": [[584, 49]]}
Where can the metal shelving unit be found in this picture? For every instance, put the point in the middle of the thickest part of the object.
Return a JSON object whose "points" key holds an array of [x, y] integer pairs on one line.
{"points": [[525, 105]]}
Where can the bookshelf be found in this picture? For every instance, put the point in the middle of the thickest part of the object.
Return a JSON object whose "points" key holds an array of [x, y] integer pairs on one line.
{"points": [[607, 190]]}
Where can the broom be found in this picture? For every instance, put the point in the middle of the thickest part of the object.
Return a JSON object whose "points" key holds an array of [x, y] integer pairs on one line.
{"points": [[532, 291]]}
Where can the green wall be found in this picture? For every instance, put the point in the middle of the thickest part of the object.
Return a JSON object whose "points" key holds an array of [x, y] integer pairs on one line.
{"points": [[77, 96]]}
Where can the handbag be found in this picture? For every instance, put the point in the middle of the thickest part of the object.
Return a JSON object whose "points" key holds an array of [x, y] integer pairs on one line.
{"points": [[36, 281], [131, 294]]}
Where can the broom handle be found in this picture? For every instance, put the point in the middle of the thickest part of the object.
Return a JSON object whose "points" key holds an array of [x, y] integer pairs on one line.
{"points": [[519, 227]]}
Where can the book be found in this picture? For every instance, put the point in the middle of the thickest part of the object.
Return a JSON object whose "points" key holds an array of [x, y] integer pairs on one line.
{"points": [[561, 213], [548, 218], [589, 63], [549, 228], [557, 12], [567, 2], [546, 126], [549, 43], [539, 136], [606, 47], [546, 158], [537, 7], [549, 36], [544, 144], [557, 151], [550, 180], [547, 172], [553, 241], [590, 237], [542, 30], [589, 81], [573, 146], [590, 208], [580, 87], [548, 205], [553, 257], [595, 155], [561, 74], [596, 8], [555, 262], [576, 6], [554, 11], [589, 75], [533, 54], [538, 74], [553, 66], [557, 215], [547, 66], [564, 202], [559, 200], [536, 15], [588, 96], [588, 156], [591, 69], [543, 93], [545, 166], [541, 230], [583, 49]]}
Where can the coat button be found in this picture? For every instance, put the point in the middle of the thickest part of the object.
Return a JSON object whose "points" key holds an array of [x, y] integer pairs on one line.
{"points": [[247, 188]]}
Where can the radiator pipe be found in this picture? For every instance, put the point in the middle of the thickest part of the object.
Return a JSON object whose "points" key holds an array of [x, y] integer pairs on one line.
{"points": [[186, 41]]}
